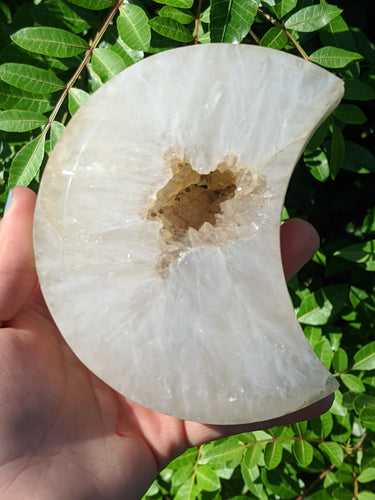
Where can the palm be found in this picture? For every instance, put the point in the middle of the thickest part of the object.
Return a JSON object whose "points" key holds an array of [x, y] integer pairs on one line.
{"points": [[58, 422]]}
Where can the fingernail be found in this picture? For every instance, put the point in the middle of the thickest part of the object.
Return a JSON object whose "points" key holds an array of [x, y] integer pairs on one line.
{"points": [[9, 199]]}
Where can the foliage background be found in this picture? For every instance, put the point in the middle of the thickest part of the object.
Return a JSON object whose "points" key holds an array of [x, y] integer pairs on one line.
{"points": [[55, 53]]}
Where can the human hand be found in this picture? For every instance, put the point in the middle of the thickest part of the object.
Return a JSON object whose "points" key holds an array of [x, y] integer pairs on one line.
{"points": [[64, 433]]}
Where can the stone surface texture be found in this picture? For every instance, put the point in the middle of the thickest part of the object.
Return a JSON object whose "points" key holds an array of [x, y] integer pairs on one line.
{"points": [[195, 323]]}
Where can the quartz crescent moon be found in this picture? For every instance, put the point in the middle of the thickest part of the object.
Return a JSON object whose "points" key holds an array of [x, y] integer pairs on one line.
{"points": [[157, 232]]}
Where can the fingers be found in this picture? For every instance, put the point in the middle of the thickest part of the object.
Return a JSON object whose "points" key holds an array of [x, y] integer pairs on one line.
{"points": [[299, 241], [17, 267]]}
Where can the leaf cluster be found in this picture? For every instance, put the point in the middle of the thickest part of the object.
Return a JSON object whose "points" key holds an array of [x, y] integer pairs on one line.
{"points": [[55, 53]]}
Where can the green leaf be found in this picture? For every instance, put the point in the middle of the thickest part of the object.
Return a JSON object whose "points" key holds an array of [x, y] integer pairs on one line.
{"points": [[366, 495], [355, 90], [326, 421], [76, 98], [54, 42], [59, 14], [56, 131], [358, 159], [340, 360], [367, 475], [323, 350], [274, 38], [334, 57], [187, 491], [182, 16], [17, 120], [342, 494], [303, 451], [337, 151], [225, 451], [367, 417], [207, 479], [351, 114], [318, 164], [364, 401], [280, 484], [364, 359], [322, 306], [352, 382], [94, 4], [283, 8], [312, 18], [184, 4], [106, 63], [231, 20], [368, 225], [362, 253], [273, 454], [13, 98], [26, 163], [333, 452], [171, 29], [252, 455], [30, 78], [133, 27]]}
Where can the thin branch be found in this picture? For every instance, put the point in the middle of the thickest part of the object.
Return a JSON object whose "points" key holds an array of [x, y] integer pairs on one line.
{"points": [[197, 16], [281, 27], [80, 68]]}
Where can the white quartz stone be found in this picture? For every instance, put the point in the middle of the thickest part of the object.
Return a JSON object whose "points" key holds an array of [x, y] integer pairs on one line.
{"points": [[199, 325]]}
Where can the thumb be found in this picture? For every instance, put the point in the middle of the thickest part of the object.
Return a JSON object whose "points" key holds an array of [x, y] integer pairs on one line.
{"points": [[17, 266]]}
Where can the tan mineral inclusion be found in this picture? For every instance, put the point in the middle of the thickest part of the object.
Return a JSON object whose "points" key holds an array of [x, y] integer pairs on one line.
{"points": [[157, 232]]}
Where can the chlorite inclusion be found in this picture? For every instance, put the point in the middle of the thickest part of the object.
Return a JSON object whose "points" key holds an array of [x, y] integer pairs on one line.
{"points": [[157, 232]]}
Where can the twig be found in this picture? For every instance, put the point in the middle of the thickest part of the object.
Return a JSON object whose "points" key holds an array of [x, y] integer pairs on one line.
{"points": [[197, 15], [281, 27]]}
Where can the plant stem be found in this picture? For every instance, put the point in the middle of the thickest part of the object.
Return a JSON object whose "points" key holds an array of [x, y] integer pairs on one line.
{"points": [[82, 65], [197, 15], [280, 26]]}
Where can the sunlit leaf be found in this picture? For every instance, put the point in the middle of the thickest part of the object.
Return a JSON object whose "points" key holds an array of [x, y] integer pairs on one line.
{"points": [[364, 359], [133, 27], [352, 382], [182, 16], [230, 449], [334, 57], [76, 98], [323, 305], [274, 38], [56, 130], [207, 478], [30, 78], [312, 18], [273, 454], [340, 360], [54, 42], [318, 164], [283, 8], [333, 452], [26, 163], [106, 63], [171, 29], [17, 120], [303, 451], [252, 455], [231, 20], [14, 98]]}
